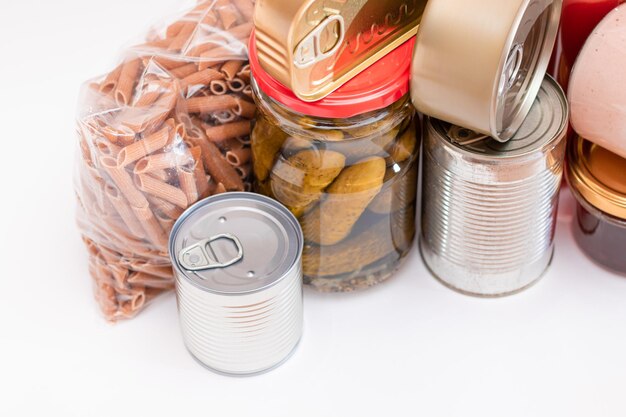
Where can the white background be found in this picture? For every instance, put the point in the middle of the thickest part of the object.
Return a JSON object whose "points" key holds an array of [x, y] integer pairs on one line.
{"points": [[409, 347]]}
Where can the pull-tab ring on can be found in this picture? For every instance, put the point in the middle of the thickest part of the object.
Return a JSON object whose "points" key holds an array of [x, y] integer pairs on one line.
{"points": [[201, 256], [480, 63]]}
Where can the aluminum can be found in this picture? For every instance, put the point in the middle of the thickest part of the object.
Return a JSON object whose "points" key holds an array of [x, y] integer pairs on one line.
{"points": [[237, 261], [489, 208], [314, 47], [480, 63]]}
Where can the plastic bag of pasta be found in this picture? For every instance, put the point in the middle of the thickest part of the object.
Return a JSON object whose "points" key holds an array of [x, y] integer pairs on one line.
{"points": [[167, 127]]}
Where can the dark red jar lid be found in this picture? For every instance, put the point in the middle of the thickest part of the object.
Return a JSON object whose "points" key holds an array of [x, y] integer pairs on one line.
{"points": [[377, 87]]}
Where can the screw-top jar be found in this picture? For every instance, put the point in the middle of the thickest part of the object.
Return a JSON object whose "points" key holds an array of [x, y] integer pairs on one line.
{"points": [[597, 180], [346, 166]]}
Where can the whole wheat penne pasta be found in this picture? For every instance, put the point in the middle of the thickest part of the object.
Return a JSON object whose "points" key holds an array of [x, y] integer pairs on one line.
{"points": [[245, 140], [243, 171], [229, 14], [151, 225], [234, 50], [229, 144], [187, 181], [105, 294], [238, 157], [110, 82], [162, 190], [184, 71], [175, 28], [110, 256], [126, 83], [210, 104], [140, 121], [156, 162], [231, 68], [124, 211], [226, 116], [220, 189], [168, 64], [245, 7], [147, 280], [245, 109], [247, 91], [161, 272], [202, 185], [124, 182], [165, 207], [145, 146], [121, 136], [160, 174], [107, 148], [165, 222], [244, 74], [201, 78], [91, 246], [120, 276], [218, 87], [236, 85], [147, 98], [181, 39], [219, 169], [228, 131], [219, 38]]}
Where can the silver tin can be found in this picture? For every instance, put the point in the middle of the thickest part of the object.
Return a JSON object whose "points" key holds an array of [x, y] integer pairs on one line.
{"points": [[238, 264], [489, 208]]}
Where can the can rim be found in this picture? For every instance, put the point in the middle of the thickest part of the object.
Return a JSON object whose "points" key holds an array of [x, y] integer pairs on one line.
{"points": [[508, 158], [545, 44], [295, 263], [582, 180]]}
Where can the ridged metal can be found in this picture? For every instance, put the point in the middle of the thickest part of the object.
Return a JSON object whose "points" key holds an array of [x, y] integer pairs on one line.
{"points": [[480, 63], [238, 264], [489, 208]]}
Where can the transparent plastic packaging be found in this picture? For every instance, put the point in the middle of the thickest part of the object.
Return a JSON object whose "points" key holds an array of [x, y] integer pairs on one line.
{"points": [[352, 183], [167, 127]]}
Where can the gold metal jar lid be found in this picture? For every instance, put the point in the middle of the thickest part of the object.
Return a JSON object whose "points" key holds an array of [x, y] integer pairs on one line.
{"points": [[313, 47], [598, 175], [480, 63]]}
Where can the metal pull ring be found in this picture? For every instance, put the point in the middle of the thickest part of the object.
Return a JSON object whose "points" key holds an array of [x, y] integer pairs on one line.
{"points": [[311, 50], [201, 256]]}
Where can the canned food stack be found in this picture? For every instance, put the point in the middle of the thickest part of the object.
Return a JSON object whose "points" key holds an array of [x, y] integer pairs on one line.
{"points": [[494, 142]]}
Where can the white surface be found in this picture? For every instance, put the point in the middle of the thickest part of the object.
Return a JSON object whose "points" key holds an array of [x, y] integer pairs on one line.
{"points": [[410, 347]]}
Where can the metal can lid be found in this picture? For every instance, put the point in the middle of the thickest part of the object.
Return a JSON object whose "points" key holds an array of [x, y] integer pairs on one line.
{"points": [[377, 87], [546, 122], [236, 243], [598, 176], [480, 63], [313, 47]]}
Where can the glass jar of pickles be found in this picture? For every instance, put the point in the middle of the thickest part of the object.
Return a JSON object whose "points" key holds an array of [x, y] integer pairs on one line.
{"points": [[347, 167]]}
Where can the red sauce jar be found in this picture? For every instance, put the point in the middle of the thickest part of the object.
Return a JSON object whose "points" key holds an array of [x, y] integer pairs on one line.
{"points": [[597, 180]]}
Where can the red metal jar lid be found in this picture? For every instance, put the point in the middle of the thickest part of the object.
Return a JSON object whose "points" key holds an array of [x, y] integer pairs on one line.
{"points": [[377, 87]]}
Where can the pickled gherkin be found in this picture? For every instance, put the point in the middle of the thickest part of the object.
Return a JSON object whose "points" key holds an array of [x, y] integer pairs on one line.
{"points": [[346, 200]]}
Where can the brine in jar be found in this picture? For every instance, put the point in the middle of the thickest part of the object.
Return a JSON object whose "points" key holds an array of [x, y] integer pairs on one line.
{"points": [[347, 172]]}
